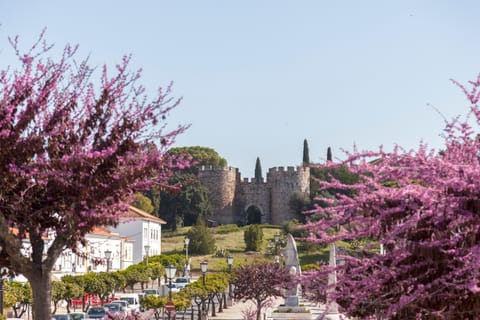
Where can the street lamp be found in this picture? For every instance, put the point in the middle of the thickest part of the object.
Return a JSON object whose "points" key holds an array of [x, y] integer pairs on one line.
{"points": [[147, 251], [203, 267], [187, 269], [230, 262], [108, 255], [170, 270]]}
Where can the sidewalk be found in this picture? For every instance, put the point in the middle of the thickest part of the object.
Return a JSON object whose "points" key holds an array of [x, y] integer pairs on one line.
{"points": [[235, 312]]}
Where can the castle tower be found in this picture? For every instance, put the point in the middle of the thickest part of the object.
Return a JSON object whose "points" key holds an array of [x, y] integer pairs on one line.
{"points": [[222, 185], [283, 184]]}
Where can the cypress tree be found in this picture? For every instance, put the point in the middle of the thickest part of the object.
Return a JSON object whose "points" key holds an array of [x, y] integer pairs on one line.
{"points": [[306, 156], [329, 154], [258, 170]]}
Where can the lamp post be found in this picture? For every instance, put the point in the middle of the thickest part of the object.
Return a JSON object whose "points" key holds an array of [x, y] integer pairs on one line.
{"points": [[170, 270], [108, 255], [147, 251], [230, 262], [203, 267], [187, 269]]}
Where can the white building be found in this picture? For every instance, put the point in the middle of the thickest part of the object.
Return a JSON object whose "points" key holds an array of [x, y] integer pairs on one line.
{"points": [[146, 231], [137, 236], [104, 251]]}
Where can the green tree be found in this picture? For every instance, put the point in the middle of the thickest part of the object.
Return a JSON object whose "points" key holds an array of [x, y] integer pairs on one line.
{"points": [[201, 239], [201, 156], [17, 296], [120, 282], [155, 303], [299, 202], [143, 203], [258, 170], [306, 153], [253, 237], [156, 270], [58, 292], [191, 199], [189, 203], [329, 154], [136, 273], [72, 290]]}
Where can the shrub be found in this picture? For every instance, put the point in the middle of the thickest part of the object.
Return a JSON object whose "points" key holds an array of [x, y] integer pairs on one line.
{"points": [[253, 237], [201, 239]]}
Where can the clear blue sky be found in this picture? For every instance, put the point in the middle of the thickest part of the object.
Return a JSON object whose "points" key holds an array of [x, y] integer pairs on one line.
{"points": [[260, 76]]}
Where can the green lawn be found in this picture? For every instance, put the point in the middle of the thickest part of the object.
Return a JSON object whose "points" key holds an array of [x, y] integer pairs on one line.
{"points": [[233, 243]]}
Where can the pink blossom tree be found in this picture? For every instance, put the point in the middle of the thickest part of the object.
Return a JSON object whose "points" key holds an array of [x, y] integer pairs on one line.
{"points": [[260, 283], [72, 156], [423, 208]]}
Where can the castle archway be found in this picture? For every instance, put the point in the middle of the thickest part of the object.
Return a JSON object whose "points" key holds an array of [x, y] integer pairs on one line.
{"points": [[253, 215]]}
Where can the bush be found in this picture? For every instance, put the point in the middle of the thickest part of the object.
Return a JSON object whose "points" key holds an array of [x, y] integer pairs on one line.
{"points": [[253, 237], [226, 228], [201, 239]]}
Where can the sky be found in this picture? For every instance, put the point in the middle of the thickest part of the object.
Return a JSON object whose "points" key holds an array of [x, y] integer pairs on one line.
{"points": [[257, 77]]}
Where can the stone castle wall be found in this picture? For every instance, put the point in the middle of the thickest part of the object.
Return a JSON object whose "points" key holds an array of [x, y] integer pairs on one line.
{"points": [[284, 183], [255, 193], [222, 186], [230, 197]]}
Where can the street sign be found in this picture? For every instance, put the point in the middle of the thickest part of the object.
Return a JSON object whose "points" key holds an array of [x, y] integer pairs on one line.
{"points": [[170, 306]]}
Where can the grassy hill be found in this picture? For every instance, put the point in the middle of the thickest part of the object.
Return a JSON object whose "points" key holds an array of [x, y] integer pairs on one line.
{"points": [[229, 240]]}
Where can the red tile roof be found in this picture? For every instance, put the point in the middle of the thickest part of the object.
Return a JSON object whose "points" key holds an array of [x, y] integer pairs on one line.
{"points": [[137, 213], [99, 231]]}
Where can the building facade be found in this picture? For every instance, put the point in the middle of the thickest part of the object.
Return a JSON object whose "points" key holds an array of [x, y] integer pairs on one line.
{"points": [[145, 231]]}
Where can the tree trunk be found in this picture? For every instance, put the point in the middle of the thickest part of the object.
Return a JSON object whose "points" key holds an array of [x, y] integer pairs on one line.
{"points": [[259, 310], [213, 307], [41, 282]]}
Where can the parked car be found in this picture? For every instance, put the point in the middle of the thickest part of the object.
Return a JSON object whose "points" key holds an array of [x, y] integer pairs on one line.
{"points": [[78, 315], [181, 282], [61, 316], [133, 300], [96, 313], [122, 303], [154, 292], [116, 306], [172, 287]]}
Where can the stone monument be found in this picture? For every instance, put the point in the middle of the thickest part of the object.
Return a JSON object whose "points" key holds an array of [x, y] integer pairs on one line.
{"points": [[292, 264], [291, 308]]}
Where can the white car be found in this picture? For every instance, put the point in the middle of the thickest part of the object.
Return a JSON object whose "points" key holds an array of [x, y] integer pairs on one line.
{"points": [[172, 287], [181, 282]]}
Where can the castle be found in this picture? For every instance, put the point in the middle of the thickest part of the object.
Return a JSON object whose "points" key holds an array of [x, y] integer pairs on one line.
{"points": [[234, 200]]}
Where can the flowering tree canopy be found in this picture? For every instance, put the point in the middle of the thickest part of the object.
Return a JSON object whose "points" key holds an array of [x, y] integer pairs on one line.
{"points": [[71, 156], [260, 283], [423, 208]]}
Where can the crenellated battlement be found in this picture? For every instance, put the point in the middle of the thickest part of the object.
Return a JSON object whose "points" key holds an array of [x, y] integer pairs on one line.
{"points": [[252, 180], [232, 197], [289, 169], [217, 168]]}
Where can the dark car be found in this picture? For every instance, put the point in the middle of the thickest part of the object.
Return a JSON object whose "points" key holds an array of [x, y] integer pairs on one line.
{"points": [[78, 315], [61, 317], [96, 313], [113, 307]]}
